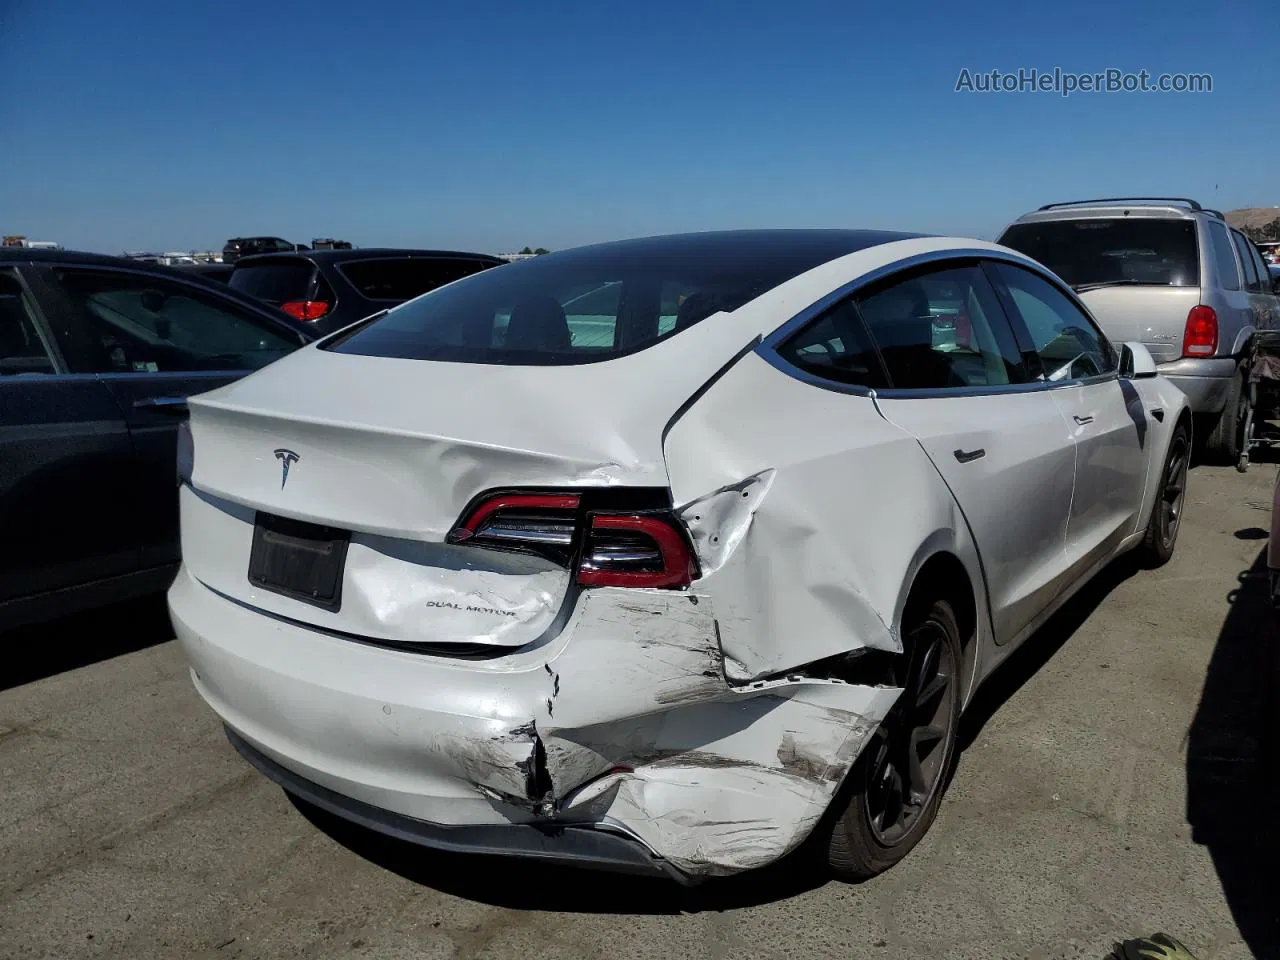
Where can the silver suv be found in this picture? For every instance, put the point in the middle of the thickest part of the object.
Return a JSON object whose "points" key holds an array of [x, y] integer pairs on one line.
{"points": [[1176, 277]]}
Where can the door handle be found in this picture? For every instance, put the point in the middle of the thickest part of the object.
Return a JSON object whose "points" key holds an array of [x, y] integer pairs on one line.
{"points": [[1083, 420], [968, 456], [173, 405]]}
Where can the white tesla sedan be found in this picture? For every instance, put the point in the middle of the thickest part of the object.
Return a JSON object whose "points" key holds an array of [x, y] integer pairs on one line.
{"points": [[663, 555]]}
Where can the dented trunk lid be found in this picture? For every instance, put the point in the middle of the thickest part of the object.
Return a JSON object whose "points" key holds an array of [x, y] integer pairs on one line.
{"points": [[388, 453]]}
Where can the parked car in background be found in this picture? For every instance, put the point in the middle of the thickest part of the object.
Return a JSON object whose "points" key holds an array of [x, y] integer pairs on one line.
{"points": [[238, 247], [220, 272], [334, 288], [1175, 277], [97, 358], [648, 555]]}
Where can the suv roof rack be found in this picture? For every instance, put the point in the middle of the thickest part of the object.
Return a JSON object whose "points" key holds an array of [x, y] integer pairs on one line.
{"points": [[1076, 203], [1216, 213]]}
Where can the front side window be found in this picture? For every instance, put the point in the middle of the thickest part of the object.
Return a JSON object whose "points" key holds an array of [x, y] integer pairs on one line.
{"points": [[943, 329], [1069, 345], [1224, 256], [133, 323], [404, 279], [1259, 264], [22, 349]]}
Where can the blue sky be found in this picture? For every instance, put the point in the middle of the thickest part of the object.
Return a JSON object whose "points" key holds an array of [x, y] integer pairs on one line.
{"points": [[493, 125]]}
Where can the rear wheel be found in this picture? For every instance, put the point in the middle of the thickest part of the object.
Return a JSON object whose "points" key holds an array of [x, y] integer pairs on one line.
{"points": [[1223, 444], [896, 786], [1166, 511]]}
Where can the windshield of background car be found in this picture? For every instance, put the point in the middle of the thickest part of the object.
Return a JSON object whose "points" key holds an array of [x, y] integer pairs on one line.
{"points": [[590, 304], [1110, 250]]}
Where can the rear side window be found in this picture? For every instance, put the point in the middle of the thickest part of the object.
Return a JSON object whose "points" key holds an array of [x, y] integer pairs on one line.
{"points": [[1244, 248], [22, 349], [403, 279], [943, 329], [275, 281], [1223, 256], [835, 347], [1102, 251]]}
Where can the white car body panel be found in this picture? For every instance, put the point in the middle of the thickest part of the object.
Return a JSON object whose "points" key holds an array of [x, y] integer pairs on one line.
{"points": [[688, 720]]}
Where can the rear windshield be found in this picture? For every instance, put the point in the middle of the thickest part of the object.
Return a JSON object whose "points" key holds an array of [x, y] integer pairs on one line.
{"points": [[582, 305], [1113, 250], [276, 281], [403, 279]]}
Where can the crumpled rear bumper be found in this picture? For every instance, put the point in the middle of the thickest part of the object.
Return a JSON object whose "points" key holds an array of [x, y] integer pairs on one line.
{"points": [[621, 728]]}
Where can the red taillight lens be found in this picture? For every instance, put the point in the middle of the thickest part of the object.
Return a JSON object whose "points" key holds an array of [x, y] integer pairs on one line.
{"points": [[626, 543], [541, 523], [1200, 339], [635, 550], [305, 309]]}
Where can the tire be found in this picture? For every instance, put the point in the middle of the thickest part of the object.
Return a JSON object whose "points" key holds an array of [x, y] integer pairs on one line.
{"points": [[863, 841], [1222, 445], [1166, 510]]}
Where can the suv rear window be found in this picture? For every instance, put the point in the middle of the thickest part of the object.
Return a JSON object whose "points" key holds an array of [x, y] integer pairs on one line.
{"points": [[403, 279], [274, 281], [585, 305], [1112, 250]]}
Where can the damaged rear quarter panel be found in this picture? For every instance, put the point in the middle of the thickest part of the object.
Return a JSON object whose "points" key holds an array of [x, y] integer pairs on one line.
{"points": [[827, 509]]}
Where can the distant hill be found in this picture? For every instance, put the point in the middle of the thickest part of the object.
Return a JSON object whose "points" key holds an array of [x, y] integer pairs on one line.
{"points": [[1260, 223]]}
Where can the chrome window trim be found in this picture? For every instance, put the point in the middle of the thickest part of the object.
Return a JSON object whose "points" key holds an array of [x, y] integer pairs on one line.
{"points": [[131, 375], [768, 348]]}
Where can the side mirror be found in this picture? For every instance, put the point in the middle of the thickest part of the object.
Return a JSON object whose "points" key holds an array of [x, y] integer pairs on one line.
{"points": [[1136, 362], [1275, 283]]}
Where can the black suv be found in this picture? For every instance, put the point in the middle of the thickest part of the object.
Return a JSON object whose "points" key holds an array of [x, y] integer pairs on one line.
{"points": [[238, 247], [335, 288]]}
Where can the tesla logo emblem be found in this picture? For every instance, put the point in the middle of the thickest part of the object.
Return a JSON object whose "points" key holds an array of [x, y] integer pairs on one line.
{"points": [[287, 459]]}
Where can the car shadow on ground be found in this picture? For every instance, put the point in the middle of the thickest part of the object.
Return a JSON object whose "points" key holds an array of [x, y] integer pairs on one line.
{"points": [[523, 885], [1233, 779], [44, 649]]}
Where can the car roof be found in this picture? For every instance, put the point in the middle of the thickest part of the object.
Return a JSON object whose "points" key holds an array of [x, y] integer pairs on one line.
{"points": [[1138, 209], [812, 246], [368, 253]]}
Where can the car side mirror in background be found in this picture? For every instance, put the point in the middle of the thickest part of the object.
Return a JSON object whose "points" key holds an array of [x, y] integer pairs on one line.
{"points": [[1136, 362], [1275, 284]]}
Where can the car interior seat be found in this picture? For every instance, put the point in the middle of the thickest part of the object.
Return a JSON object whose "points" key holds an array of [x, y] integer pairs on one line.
{"points": [[538, 323]]}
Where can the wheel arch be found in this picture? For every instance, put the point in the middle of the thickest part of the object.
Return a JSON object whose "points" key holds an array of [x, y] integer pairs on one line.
{"points": [[940, 574]]}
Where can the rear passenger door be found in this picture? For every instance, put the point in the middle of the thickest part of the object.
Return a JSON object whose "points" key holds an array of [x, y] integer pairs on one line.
{"points": [[152, 341], [1105, 414], [66, 463], [960, 383]]}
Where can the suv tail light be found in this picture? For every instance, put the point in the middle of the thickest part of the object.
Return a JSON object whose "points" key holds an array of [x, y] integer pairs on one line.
{"points": [[306, 309], [1200, 339], [607, 546]]}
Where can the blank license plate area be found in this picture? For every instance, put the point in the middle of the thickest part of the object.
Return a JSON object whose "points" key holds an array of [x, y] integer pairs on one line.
{"points": [[299, 560]]}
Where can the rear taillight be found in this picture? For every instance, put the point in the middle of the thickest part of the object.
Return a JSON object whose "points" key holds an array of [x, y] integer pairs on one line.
{"points": [[1200, 339], [635, 550], [539, 523], [306, 309], [610, 547]]}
